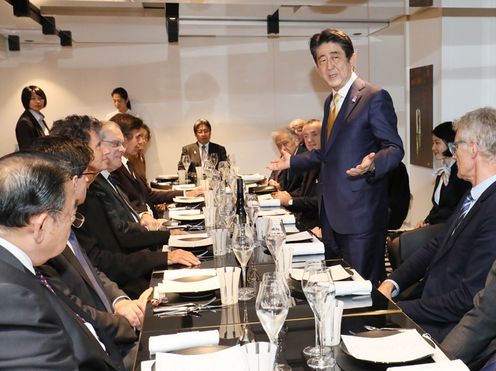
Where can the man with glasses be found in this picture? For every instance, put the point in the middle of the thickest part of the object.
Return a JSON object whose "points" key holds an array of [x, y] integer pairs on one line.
{"points": [[41, 328], [125, 249], [453, 266]]}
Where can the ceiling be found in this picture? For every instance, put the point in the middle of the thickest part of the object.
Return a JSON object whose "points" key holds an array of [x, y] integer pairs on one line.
{"points": [[137, 21]]}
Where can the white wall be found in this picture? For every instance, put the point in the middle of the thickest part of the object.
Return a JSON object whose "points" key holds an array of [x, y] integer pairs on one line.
{"points": [[246, 87]]}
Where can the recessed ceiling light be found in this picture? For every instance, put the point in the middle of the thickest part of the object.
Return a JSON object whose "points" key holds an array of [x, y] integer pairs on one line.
{"points": [[357, 33]]}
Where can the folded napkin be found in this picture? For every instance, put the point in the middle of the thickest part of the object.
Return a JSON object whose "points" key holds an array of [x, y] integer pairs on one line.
{"points": [[182, 340], [344, 288], [273, 202], [252, 177], [308, 248], [456, 365]]}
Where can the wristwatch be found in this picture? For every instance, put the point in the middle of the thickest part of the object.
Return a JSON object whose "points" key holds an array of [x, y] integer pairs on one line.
{"points": [[290, 202]]}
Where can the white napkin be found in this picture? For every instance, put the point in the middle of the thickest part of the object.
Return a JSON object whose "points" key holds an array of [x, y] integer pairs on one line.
{"points": [[344, 288], [273, 202], [406, 346], [308, 248], [252, 177], [190, 240], [456, 365], [182, 340], [170, 286]]}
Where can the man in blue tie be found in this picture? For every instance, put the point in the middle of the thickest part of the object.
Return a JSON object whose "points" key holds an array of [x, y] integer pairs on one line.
{"points": [[453, 266]]}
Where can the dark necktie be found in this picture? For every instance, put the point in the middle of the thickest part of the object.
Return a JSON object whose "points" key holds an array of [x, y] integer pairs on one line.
{"points": [[204, 153], [90, 273], [122, 197], [463, 211]]}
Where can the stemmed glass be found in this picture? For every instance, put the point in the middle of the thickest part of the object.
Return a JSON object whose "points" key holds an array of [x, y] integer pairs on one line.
{"points": [[318, 286], [252, 207], [186, 161], [272, 306], [242, 246], [274, 239], [214, 157]]}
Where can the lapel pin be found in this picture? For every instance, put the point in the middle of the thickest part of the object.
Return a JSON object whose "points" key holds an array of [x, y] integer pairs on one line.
{"points": [[354, 99]]}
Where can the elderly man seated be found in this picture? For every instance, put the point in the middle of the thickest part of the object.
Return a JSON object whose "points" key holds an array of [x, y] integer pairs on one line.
{"points": [[304, 200]]}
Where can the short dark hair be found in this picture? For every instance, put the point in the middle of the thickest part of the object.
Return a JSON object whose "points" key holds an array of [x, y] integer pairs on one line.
{"points": [[200, 122], [445, 132], [73, 151], [30, 184], [26, 95], [76, 127], [331, 35], [123, 94], [128, 123]]}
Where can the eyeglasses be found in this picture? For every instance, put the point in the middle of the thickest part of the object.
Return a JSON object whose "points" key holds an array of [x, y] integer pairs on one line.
{"points": [[78, 220], [114, 143], [90, 173], [453, 147]]}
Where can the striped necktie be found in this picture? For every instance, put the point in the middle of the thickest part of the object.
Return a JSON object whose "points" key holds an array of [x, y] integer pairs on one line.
{"points": [[463, 211]]}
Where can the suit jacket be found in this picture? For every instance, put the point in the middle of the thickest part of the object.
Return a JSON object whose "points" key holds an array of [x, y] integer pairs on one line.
{"points": [[449, 197], [127, 255], [453, 268], [473, 339], [399, 196], [67, 274], [139, 192], [40, 329], [27, 130], [366, 123], [194, 152], [306, 203]]}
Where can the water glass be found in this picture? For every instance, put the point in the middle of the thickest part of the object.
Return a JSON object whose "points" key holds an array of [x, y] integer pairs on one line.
{"points": [[186, 161]]}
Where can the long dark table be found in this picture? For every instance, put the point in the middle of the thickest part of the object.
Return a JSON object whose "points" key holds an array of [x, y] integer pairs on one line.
{"points": [[299, 325]]}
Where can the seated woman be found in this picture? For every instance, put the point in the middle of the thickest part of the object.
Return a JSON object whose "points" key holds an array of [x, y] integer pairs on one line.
{"points": [[31, 124], [448, 189]]}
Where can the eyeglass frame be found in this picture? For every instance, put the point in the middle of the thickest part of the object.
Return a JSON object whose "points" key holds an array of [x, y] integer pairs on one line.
{"points": [[78, 220], [453, 146], [114, 143]]}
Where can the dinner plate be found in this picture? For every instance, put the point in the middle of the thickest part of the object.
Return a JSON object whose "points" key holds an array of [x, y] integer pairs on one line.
{"points": [[200, 350], [186, 217], [167, 177], [383, 333], [189, 281], [190, 241], [188, 200]]}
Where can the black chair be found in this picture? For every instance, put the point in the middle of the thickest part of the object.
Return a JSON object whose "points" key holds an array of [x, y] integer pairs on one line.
{"points": [[399, 249]]}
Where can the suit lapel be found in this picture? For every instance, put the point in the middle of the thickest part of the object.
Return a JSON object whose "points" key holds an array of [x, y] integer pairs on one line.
{"points": [[351, 101], [72, 260]]}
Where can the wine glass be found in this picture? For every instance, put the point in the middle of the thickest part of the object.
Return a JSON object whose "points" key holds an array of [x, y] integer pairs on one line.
{"points": [[214, 157], [274, 238], [186, 161], [242, 247], [272, 307], [318, 287], [252, 207]]}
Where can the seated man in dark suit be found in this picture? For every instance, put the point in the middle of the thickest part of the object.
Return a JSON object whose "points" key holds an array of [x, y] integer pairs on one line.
{"points": [[72, 272], [198, 152], [42, 328], [453, 266], [135, 187], [305, 200]]}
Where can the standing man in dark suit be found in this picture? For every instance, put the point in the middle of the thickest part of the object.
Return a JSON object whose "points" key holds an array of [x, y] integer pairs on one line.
{"points": [[198, 152], [40, 327], [31, 124], [360, 145], [453, 266]]}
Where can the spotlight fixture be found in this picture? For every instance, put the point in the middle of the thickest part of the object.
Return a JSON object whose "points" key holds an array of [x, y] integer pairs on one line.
{"points": [[273, 23], [14, 43], [21, 8], [48, 26], [65, 38], [172, 21]]}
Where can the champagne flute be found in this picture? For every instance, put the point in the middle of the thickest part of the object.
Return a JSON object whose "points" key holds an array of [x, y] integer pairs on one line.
{"points": [[242, 247], [272, 307], [274, 239], [319, 290], [186, 161], [214, 157]]}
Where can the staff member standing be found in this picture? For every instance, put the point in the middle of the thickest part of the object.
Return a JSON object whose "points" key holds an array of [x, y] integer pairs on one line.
{"points": [[31, 124], [359, 146]]}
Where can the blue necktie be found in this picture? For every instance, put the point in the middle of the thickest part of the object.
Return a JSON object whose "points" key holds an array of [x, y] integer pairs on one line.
{"points": [[463, 211], [490, 365], [85, 264]]}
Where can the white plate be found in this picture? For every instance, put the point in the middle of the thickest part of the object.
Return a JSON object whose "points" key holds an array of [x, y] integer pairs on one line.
{"points": [[176, 281], [183, 187], [188, 200], [188, 217]]}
